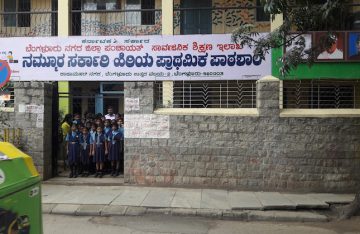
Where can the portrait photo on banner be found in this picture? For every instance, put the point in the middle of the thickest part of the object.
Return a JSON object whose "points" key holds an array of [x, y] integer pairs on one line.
{"points": [[336, 50], [354, 46], [308, 42]]}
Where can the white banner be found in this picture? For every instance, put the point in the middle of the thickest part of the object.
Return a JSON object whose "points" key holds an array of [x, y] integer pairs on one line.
{"points": [[126, 58]]}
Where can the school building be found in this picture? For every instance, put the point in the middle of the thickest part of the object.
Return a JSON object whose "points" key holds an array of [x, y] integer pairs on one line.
{"points": [[295, 133]]}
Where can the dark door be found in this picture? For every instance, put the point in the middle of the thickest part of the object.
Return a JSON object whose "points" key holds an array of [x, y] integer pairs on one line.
{"points": [[76, 18], [196, 21], [55, 129]]}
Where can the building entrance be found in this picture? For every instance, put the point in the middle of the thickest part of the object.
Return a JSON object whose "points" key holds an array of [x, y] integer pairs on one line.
{"points": [[88, 103]]}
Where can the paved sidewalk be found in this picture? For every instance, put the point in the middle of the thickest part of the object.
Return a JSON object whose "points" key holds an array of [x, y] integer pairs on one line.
{"points": [[128, 200]]}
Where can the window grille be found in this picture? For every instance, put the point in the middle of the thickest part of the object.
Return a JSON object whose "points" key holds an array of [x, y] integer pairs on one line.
{"points": [[321, 94], [7, 98], [133, 17], [26, 18], [211, 94], [206, 17], [261, 16]]}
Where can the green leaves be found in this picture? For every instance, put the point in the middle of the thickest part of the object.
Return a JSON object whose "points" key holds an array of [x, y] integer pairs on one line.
{"points": [[300, 16]]}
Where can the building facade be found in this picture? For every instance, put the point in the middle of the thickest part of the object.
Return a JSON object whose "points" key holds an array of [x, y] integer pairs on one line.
{"points": [[294, 133]]}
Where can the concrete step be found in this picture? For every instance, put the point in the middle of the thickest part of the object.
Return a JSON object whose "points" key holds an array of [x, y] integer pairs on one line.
{"points": [[245, 215]]}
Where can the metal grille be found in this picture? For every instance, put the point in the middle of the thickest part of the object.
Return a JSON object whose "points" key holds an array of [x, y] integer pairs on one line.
{"points": [[220, 17], [321, 94], [97, 20], [7, 98], [158, 92], [28, 18], [214, 94]]}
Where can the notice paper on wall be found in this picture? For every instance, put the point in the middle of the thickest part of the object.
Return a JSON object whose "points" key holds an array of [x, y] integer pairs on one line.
{"points": [[31, 108], [132, 104], [147, 126], [40, 121]]}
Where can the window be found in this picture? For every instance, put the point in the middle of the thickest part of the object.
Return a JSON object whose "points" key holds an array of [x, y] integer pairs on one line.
{"points": [[139, 17], [195, 20], [93, 5], [321, 94], [260, 13], [211, 94], [148, 17], [19, 19], [7, 99]]}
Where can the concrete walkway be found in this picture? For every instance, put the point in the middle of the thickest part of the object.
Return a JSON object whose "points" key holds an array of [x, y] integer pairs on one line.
{"points": [[128, 200]]}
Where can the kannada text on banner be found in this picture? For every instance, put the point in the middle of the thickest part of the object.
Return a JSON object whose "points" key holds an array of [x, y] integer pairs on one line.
{"points": [[123, 58]]}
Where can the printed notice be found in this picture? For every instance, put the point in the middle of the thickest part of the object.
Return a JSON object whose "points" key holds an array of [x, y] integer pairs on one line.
{"points": [[35, 109], [147, 126], [40, 121], [132, 104]]}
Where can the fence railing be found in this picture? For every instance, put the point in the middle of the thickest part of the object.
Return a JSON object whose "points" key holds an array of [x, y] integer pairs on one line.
{"points": [[321, 94], [11, 135], [116, 22]]}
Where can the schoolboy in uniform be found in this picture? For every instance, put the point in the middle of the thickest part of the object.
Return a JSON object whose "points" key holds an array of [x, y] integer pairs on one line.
{"points": [[85, 149]]}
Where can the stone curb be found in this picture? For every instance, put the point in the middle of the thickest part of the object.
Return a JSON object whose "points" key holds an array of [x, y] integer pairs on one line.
{"points": [[243, 215]]}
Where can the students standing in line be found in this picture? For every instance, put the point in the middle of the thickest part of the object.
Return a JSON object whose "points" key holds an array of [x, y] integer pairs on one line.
{"points": [[72, 146]]}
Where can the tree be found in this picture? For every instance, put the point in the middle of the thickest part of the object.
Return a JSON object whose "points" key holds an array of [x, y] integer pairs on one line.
{"points": [[305, 16], [301, 17]]}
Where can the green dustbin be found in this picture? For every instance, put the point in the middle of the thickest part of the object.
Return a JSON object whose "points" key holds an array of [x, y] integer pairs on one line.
{"points": [[20, 193]]}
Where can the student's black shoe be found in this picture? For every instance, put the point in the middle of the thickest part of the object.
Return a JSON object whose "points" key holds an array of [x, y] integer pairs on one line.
{"points": [[71, 175], [101, 175], [96, 174], [117, 174]]}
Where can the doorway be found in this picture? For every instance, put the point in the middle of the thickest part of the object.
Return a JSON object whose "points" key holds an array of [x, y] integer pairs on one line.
{"points": [[195, 20], [89, 100]]}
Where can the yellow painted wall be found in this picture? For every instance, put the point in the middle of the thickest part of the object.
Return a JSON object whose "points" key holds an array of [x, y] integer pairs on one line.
{"points": [[63, 31], [64, 101]]}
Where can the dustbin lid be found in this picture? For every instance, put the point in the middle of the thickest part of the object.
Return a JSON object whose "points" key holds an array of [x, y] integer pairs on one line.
{"points": [[15, 166]]}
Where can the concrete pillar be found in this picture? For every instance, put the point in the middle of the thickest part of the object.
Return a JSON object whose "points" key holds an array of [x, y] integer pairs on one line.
{"points": [[36, 126], [167, 29], [167, 17], [63, 18], [63, 31], [279, 20], [145, 92], [267, 96]]}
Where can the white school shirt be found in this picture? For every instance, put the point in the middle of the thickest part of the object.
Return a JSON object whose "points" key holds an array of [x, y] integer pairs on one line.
{"points": [[337, 54], [110, 117]]}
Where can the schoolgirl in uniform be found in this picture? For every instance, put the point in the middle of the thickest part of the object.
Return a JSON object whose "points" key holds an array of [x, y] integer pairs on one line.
{"points": [[107, 127], [72, 146], [100, 148], [92, 139], [85, 149], [115, 138]]}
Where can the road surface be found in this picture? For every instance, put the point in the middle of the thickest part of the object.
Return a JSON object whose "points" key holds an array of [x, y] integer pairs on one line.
{"points": [[57, 224]]}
